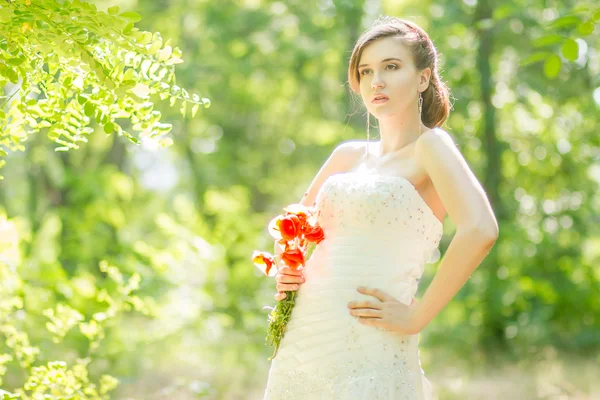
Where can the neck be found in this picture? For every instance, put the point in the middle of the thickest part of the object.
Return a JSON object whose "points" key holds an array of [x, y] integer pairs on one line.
{"points": [[398, 132]]}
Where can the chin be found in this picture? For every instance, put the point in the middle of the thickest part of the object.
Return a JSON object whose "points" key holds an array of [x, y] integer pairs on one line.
{"points": [[384, 114]]}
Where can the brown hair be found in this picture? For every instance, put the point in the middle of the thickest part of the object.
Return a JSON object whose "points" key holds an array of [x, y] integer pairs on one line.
{"points": [[436, 102]]}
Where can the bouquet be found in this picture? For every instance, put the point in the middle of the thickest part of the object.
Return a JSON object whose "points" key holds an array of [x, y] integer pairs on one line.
{"points": [[293, 231]]}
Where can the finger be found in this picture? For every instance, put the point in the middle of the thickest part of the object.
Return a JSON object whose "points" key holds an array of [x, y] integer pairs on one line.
{"points": [[282, 287], [378, 293], [280, 296], [366, 313], [364, 304], [290, 279], [377, 322], [287, 270]]}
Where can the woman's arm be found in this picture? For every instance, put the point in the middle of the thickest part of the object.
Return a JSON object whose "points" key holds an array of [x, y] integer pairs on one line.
{"points": [[470, 211]]}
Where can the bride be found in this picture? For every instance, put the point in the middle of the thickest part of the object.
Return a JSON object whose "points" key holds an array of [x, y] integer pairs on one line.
{"points": [[353, 333]]}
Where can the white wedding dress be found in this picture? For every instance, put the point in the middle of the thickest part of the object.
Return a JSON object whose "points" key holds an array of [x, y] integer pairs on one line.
{"points": [[379, 233]]}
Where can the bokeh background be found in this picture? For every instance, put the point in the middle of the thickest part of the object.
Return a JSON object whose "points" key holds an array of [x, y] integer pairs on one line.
{"points": [[525, 80]]}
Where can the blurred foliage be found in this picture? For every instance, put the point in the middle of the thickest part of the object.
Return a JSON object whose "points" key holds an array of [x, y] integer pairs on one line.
{"points": [[63, 63], [133, 261]]}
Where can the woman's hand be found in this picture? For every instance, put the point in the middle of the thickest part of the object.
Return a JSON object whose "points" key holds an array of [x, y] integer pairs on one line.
{"points": [[287, 279], [388, 313]]}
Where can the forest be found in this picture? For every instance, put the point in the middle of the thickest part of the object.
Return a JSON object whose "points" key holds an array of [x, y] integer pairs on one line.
{"points": [[145, 146]]}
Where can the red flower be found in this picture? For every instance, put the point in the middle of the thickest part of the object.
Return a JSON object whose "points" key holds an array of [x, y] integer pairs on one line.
{"points": [[290, 227], [314, 234], [265, 262], [287, 226], [299, 210], [293, 258]]}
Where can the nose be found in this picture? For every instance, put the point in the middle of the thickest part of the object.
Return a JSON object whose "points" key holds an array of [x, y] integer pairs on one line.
{"points": [[376, 83]]}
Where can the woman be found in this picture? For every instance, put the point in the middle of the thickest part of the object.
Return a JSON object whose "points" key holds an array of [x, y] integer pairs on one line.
{"points": [[354, 330]]}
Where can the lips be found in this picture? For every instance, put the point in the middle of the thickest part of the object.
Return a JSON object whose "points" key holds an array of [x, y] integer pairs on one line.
{"points": [[379, 97]]}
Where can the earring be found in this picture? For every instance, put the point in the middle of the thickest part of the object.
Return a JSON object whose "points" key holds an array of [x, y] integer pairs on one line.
{"points": [[368, 125], [420, 110]]}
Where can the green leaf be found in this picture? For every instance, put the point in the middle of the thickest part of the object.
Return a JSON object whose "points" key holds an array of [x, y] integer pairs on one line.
{"points": [[567, 20], [129, 75], [128, 28], [154, 68], [174, 60], [586, 28], [154, 47], [145, 66], [109, 128], [570, 49], [145, 38], [128, 84], [140, 90], [195, 108], [163, 128], [89, 109], [16, 61], [548, 40], [165, 53], [114, 10], [12, 76], [131, 138], [131, 16], [552, 66]]}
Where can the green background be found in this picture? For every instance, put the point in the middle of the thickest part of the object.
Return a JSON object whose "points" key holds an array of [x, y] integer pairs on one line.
{"points": [[524, 76]]}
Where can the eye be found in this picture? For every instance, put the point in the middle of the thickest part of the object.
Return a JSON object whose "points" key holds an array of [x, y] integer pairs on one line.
{"points": [[367, 69]]}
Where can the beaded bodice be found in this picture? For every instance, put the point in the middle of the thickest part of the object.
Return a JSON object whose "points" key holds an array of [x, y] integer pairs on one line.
{"points": [[377, 204]]}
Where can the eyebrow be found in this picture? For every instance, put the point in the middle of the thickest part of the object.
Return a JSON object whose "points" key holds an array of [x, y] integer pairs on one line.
{"points": [[387, 59]]}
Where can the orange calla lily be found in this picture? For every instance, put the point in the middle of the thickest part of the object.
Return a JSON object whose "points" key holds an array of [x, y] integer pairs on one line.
{"points": [[314, 234], [293, 258], [290, 227], [273, 227], [265, 262]]}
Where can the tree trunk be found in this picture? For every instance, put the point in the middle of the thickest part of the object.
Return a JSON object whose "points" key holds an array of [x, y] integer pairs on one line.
{"points": [[492, 336]]}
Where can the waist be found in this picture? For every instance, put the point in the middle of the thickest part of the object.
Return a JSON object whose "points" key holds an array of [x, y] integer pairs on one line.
{"points": [[340, 261]]}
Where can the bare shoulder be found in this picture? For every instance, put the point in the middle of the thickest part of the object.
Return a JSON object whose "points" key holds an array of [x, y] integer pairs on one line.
{"points": [[349, 151], [351, 147], [436, 149], [436, 145], [436, 137], [341, 159]]}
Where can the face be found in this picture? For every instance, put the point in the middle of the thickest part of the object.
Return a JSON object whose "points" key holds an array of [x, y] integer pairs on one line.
{"points": [[397, 78]]}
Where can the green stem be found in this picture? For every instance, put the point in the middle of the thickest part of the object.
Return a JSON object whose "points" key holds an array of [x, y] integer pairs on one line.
{"points": [[279, 319]]}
